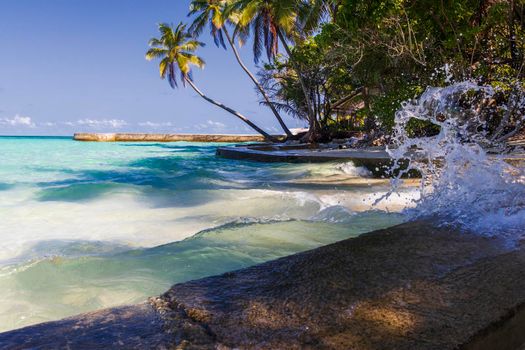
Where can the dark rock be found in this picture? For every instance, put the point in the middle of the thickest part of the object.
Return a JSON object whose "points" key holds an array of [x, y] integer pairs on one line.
{"points": [[129, 327]]}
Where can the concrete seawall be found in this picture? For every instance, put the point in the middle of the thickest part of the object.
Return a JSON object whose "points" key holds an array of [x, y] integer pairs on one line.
{"points": [[137, 137]]}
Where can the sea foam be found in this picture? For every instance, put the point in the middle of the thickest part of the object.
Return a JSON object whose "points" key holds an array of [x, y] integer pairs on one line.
{"points": [[462, 183]]}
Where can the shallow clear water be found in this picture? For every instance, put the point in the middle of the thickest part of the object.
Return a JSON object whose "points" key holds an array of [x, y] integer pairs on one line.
{"points": [[91, 225]]}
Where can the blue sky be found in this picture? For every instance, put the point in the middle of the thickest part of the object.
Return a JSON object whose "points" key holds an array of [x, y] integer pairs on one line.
{"points": [[78, 65]]}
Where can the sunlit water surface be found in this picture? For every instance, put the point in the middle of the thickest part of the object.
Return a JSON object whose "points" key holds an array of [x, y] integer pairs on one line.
{"points": [[85, 226]]}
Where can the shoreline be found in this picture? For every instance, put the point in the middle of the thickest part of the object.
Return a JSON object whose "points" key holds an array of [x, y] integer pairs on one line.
{"points": [[409, 286]]}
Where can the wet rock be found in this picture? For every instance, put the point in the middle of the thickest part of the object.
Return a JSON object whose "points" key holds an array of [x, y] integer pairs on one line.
{"points": [[410, 287], [413, 286], [129, 327]]}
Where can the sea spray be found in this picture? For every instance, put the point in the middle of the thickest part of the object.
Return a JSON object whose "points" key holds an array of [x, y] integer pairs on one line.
{"points": [[462, 184]]}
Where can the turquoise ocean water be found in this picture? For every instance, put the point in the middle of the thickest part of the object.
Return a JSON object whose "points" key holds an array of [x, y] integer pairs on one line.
{"points": [[85, 226]]}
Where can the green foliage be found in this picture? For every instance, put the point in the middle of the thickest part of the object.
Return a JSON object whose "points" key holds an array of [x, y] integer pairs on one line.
{"points": [[360, 59], [401, 46], [385, 106]]}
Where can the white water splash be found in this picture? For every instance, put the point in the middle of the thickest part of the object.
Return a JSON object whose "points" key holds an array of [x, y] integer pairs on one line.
{"points": [[462, 185]]}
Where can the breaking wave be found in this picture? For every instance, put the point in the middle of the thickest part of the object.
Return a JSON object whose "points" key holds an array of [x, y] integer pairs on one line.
{"points": [[468, 179]]}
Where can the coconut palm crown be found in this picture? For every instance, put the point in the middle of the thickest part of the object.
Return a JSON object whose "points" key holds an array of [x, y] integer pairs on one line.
{"points": [[175, 48], [267, 20], [209, 12]]}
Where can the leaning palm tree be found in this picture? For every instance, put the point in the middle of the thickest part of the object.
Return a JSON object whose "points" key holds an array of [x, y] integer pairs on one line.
{"points": [[212, 13], [175, 48], [271, 22]]}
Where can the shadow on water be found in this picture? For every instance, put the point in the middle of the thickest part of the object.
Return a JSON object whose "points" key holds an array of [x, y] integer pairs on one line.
{"points": [[5, 187], [175, 189], [170, 180], [181, 148], [184, 176]]}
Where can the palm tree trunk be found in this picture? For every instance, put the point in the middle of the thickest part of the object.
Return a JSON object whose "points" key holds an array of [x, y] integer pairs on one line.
{"points": [[514, 52], [228, 109], [311, 113], [369, 121], [256, 82]]}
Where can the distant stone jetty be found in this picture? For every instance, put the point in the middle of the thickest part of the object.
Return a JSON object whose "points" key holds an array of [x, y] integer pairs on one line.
{"points": [[137, 137]]}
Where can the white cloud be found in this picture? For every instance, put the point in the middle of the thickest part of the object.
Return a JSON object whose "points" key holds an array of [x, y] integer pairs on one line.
{"points": [[156, 125], [113, 123], [216, 124], [18, 120], [210, 124]]}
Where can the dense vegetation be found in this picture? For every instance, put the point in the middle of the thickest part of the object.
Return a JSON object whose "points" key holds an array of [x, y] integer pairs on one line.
{"points": [[347, 65]]}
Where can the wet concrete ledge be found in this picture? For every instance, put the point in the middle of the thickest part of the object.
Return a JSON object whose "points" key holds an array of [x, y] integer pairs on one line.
{"points": [[303, 154], [138, 137], [375, 159], [413, 286]]}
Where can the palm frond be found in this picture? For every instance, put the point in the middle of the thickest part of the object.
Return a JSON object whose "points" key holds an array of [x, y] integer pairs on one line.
{"points": [[218, 37], [196, 6], [166, 31], [267, 18], [242, 34], [248, 12], [172, 79], [209, 12], [163, 67], [289, 109], [313, 12], [183, 64], [217, 18], [155, 52], [191, 45], [258, 37], [198, 24], [193, 59], [221, 39], [155, 42]]}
